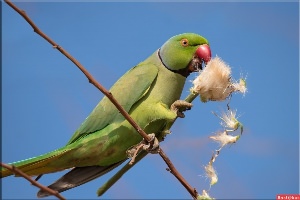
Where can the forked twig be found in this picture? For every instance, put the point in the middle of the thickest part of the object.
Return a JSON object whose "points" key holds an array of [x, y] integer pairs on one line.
{"points": [[33, 182], [109, 95]]}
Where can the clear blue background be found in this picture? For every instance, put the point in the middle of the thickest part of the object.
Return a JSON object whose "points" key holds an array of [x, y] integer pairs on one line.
{"points": [[45, 97]]}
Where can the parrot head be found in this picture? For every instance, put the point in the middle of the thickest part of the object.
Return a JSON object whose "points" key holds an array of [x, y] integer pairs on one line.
{"points": [[185, 53]]}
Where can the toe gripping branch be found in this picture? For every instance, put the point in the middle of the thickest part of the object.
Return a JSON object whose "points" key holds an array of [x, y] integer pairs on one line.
{"points": [[151, 147], [180, 106]]}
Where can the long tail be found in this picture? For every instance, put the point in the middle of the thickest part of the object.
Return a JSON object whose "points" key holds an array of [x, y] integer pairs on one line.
{"points": [[78, 176], [38, 165]]}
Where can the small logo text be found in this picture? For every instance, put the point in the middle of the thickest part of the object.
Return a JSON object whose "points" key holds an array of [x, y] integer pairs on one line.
{"points": [[288, 197]]}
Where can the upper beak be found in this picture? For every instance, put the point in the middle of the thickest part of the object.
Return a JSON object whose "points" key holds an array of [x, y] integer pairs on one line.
{"points": [[204, 53]]}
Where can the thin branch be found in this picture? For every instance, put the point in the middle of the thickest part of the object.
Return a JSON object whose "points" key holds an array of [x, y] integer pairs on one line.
{"points": [[109, 95], [193, 192], [33, 182], [91, 79], [140, 156]]}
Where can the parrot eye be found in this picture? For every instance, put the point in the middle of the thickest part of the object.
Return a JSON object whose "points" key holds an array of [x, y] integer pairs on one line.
{"points": [[184, 42]]}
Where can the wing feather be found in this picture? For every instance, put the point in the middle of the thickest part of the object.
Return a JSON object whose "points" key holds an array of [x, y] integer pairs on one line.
{"points": [[132, 86]]}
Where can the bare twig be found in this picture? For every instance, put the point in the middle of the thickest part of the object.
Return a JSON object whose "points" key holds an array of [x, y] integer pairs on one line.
{"points": [[140, 156], [33, 182], [179, 177], [91, 79], [109, 95]]}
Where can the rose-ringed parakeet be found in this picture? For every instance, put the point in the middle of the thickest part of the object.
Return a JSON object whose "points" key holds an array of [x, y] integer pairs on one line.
{"points": [[147, 92]]}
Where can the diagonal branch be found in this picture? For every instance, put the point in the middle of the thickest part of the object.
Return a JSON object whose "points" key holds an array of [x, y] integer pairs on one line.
{"points": [[109, 95], [141, 155], [179, 177], [91, 79], [33, 182]]}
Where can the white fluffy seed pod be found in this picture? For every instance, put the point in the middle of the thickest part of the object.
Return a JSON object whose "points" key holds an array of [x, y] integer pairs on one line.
{"points": [[223, 138], [240, 86], [211, 173], [213, 83], [204, 196]]}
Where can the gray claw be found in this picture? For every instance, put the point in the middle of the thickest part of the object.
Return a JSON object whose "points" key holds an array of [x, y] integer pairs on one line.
{"points": [[153, 145], [179, 106]]}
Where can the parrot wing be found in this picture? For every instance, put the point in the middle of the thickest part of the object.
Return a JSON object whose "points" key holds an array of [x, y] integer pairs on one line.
{"points": [[132, 86], [78, 176]]}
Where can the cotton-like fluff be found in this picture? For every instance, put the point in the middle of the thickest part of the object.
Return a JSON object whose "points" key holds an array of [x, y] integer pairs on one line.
{"points": [[204, 196], [240, 86], [213, 83], [229, 120], [211, 173], [223, 138]]}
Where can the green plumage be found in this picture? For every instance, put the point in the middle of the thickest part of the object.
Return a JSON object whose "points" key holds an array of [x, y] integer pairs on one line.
{"points": [[146, 92]]}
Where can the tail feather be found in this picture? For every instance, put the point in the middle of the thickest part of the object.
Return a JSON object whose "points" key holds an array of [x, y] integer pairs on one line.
{"points": [[37, 165], [78, 176]]}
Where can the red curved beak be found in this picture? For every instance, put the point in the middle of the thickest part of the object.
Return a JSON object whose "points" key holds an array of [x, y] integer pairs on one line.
{"points": [[204, 53]]}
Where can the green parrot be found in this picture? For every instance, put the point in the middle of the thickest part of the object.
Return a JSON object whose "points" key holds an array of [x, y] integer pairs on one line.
{"points": [[147, 92]]}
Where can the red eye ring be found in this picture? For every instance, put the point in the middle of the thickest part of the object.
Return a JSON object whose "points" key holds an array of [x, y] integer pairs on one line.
{"points": [[184, 42]]}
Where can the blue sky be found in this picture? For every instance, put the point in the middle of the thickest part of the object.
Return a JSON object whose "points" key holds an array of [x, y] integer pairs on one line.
{"points": [[45, 97]]}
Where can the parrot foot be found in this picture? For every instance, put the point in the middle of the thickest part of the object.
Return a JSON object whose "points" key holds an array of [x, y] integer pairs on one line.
{"points": [[151, 147], [179, 106]]}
